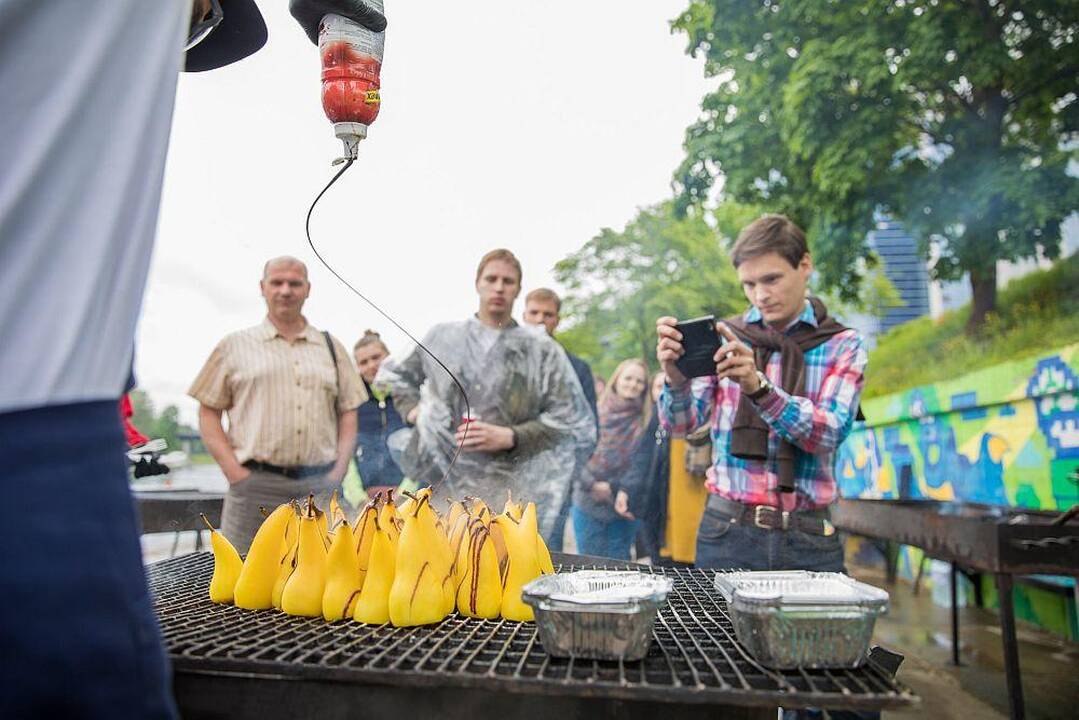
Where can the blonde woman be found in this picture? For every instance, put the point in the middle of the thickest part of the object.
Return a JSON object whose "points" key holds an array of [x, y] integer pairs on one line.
{"points": [[604, 523]]}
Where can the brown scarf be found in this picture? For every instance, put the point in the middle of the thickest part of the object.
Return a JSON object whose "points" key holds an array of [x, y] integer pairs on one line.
{"points": [[749, 436], [619, 434]]}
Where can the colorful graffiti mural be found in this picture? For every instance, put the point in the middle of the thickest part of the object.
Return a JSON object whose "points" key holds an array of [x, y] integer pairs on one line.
{"points": [[1006, 435]]}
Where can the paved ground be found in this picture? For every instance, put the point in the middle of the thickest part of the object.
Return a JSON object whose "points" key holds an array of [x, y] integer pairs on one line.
{"points": [[921, 631]]}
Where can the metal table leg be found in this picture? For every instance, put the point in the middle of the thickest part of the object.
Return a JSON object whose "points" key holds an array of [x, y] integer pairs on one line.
{"points": [[891, 561], [955, 618], [976, 582], [1011, 649], [918, 577]]}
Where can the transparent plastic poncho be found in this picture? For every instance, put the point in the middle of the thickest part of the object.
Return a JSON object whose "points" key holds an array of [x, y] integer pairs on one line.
{"points": [[512, 376]]}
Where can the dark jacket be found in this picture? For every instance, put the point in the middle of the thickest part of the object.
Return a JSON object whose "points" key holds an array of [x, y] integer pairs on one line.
{"points": [[376, 420], [584, 374], [651, 473]]}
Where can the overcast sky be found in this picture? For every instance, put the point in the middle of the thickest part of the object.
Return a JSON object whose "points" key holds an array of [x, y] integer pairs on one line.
{"points": [[504, 123]]}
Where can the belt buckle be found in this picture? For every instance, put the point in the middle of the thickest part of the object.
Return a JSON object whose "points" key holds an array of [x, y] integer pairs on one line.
{"points": [[764, 510]]}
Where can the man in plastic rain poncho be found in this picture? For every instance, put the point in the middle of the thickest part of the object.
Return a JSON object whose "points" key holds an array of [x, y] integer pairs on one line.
{"points": [[530, 424]]}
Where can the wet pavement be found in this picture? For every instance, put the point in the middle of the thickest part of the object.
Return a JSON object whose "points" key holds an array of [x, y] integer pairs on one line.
{"points": [[921, 631]]}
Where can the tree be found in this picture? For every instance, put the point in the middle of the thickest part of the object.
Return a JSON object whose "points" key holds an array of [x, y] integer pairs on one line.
{"points": [[620, 282], [165, 425], [957, 117], [168, 426], [144, 415]]}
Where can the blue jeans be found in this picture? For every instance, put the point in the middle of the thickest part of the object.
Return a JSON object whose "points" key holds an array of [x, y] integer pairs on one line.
{"points": [[76, 622], [723, 544], [611, 539]]}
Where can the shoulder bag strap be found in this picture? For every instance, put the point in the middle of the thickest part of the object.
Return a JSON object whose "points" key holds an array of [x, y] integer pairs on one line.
{"points": [[333, 356]]}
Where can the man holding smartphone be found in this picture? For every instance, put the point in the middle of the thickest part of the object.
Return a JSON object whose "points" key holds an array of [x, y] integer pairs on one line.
{"points": [[781, 396]]}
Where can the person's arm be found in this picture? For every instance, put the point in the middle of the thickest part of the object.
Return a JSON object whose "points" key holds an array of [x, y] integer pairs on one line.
{"points": [[684, 408], [405, 377], [346, 443], [812, 426], [215, 440], [212, 389], [564, 410], [821, 425], [351, 393], [533, 434], [478, 436], [683, 405]]}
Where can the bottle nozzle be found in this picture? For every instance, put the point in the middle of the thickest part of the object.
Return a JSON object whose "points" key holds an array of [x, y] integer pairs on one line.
{"points": [[350, 135]]}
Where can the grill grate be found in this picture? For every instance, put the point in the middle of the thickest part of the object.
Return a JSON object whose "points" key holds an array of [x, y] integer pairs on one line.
{"points": [[694, 656]]}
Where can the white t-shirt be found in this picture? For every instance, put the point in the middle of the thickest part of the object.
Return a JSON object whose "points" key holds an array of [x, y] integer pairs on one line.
{"points": [[87, 89]]}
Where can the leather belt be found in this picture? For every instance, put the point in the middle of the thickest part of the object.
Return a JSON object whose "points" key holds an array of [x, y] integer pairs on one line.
{"points": [[294, 473], [766, 517]]}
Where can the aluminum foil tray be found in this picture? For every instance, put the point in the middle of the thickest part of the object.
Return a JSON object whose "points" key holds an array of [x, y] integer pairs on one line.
{"points": [[598, 614], [792, 619]]}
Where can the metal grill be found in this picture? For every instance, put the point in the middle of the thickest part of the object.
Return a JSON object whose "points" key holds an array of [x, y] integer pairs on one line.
{"points": [[994, 539], [694, 657], [989, 538]]}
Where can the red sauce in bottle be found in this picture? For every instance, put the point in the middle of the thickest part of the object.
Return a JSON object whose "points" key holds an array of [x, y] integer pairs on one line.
{"points": [[351, 62]]}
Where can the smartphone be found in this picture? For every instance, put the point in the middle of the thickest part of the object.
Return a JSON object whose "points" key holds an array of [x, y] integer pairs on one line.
{"points": [[700, 340]]}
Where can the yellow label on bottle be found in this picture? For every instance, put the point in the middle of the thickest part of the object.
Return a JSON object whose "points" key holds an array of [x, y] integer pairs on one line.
{"points": [[373, 98]]}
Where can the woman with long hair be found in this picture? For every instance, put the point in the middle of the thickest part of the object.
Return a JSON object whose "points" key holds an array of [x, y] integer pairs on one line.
{"points": [[605, 495]]}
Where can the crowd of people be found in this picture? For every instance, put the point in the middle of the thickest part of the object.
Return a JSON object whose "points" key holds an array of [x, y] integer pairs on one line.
{"points": [[782, 396], [641, 466], [303, 416]]}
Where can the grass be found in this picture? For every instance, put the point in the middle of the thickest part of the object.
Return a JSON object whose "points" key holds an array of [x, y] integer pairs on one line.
{"points": [[1035, 314]]}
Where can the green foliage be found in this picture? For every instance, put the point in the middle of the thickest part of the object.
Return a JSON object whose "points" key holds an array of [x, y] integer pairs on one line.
{"points": [[619, 283], [731, 217], [1036, 314], [956, 117], [165, 424], [875, 297]]}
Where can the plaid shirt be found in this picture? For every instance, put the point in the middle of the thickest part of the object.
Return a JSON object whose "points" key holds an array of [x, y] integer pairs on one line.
{"points": [[815, 424]]}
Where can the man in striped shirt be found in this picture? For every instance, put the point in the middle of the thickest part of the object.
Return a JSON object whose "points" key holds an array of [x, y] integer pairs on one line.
{"points": [[782, 398], [290, 393]]}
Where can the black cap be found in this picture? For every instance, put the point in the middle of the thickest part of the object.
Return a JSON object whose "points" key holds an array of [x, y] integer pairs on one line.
{"points": [[241, 32]]}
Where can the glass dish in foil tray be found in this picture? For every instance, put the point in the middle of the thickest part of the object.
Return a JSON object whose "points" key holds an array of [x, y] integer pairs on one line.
{"points": [[597, 614], [792, 619]]}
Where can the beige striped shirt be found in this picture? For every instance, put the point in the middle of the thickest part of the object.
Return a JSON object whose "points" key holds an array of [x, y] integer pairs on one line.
{"points": [[279, 395]]}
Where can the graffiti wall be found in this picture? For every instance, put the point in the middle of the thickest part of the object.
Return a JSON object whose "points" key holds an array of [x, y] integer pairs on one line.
{"points": [[1006, 435]]}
